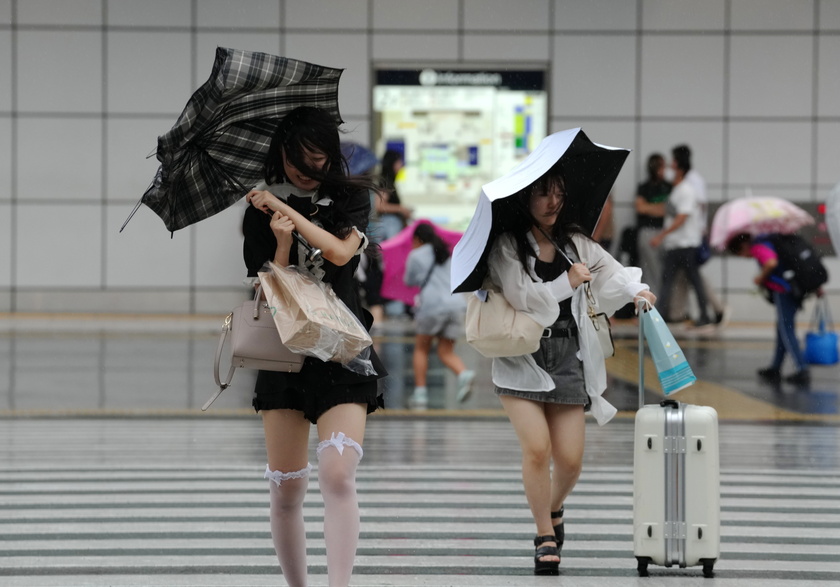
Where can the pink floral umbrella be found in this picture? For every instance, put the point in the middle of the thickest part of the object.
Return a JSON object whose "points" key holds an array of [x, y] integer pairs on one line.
{"points": [[756, 215], [395, 251]]}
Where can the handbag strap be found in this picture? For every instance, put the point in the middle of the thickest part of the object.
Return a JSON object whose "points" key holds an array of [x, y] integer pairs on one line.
{"points": [[226, 328], [557, 247], [428, 275], [223, 385], [821, 319]]}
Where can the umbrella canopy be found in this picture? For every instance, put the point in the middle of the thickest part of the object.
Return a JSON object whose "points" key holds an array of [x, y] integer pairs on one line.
{"points": [[395, 252], [756, 215], [216, 150], [359, 159], [832, 217], [589, 172]]}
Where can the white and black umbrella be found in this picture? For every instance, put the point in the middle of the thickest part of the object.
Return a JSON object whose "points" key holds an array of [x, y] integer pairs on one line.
{"points": [[589, 171], [215, 152]]}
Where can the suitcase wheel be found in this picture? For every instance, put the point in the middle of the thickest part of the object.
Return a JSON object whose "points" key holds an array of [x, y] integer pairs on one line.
{"points": [[708, 567], [642, 567]]}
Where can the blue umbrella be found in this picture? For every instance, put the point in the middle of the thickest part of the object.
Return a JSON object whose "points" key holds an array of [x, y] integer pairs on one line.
{"points": [[359, 159]]}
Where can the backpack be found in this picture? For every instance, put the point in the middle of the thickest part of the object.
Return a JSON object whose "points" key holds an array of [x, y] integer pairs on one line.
{"points": [[799, 263]]}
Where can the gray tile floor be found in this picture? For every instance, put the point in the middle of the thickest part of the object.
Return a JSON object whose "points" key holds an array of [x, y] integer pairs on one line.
{"points": [[110, 476]]}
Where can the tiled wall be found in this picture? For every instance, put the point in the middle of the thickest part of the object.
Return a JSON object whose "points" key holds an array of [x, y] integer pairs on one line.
{"points": [[86, 86]]}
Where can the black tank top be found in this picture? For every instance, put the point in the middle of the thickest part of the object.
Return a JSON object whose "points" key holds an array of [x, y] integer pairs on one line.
{"points": [[551, 270]]}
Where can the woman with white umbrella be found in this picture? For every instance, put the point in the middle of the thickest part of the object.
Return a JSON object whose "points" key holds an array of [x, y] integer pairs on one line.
{"points": [[539, 257]]}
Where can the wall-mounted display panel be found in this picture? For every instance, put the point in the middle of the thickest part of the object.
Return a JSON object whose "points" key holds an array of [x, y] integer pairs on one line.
{"points": [[457, 130]]}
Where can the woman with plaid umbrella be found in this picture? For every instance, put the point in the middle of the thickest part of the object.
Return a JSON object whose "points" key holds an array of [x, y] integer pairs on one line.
{"points": [[307, 191]]}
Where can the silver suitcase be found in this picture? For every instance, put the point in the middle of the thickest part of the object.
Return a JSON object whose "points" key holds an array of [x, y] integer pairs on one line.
{"points": [[676, 484]]}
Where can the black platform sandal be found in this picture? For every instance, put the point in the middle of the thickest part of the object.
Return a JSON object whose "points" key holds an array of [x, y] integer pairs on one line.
{"points": [[559, 530], [542, 567]]}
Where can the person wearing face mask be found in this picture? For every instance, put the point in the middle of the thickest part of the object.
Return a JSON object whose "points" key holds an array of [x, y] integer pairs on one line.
{"points": [[679, 298], [307, 191], [681, 237]]}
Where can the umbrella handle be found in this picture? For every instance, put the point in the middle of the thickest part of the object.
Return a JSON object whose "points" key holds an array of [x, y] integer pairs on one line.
{"points": [[312, 253]]}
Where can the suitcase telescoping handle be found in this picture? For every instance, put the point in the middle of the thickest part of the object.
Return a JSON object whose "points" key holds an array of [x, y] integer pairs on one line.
{"points": [[642, 305]]}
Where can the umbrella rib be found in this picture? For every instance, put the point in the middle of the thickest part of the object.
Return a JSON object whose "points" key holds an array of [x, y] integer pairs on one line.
{"points": [[241, 186]]}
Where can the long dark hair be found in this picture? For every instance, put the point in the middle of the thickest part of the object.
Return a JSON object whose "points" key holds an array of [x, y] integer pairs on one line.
{"points": [[654, 162], [389, 174], [426, 234], [520, 220], [314, 129], [682, 155], [734, 244]]}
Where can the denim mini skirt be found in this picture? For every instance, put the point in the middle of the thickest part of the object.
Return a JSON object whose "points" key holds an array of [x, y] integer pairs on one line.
{"points": [[558, 358]]}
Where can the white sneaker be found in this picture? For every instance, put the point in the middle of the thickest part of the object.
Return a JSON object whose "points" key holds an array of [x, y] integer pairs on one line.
{"points": [[465, 385], [419, 400]]}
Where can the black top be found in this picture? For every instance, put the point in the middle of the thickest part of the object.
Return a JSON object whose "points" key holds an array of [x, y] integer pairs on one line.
{"points": [[393, 195], [549, 271], [654, 192], [345, 212]]}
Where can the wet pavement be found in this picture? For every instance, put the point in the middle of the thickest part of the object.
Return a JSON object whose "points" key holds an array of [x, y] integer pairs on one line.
{"points": [[95, 364], [111, 475]]}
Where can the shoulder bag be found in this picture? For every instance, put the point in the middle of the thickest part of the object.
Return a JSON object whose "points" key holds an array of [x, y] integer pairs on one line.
{"points": [[497, 329], [255, 344], [821, 340]]}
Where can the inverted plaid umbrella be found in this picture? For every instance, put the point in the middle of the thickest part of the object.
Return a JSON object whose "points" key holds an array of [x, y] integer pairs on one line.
{"points": [[215, 152]]}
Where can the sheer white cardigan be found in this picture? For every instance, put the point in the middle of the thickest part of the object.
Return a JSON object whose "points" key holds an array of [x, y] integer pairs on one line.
{"points": [[613, 286]]}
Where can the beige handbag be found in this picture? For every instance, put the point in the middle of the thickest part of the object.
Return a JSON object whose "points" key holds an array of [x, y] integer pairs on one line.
{"points": [[496, 329], [255, 344]]}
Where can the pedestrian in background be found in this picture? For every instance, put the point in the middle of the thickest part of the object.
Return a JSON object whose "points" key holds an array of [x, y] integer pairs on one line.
{"points": [[393, 215], [679, 298], [651, 199], [681, 238], [787, 303], [438, 314]]}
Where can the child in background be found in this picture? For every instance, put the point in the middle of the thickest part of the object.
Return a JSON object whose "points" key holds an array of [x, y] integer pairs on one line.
{"points": [[439, 315]]}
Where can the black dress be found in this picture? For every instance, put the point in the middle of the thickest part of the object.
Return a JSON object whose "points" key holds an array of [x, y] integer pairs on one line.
{"points": [[320, 385]]}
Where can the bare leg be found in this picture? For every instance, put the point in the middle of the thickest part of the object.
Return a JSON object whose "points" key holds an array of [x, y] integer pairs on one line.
{"points": [[378, 313], [446, 352], [567, 426], [420, 358], [529, 423], [341, 430]]}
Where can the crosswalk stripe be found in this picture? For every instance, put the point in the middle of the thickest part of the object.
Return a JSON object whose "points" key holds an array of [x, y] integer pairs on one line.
{"points": [[417, 521]]}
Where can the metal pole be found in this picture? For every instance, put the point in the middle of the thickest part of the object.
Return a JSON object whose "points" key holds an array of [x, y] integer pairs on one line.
{"points": [[641, 307]]}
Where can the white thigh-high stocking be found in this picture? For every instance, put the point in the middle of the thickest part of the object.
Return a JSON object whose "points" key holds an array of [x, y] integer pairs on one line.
{"points": [[337, 478], [287, 491]]}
